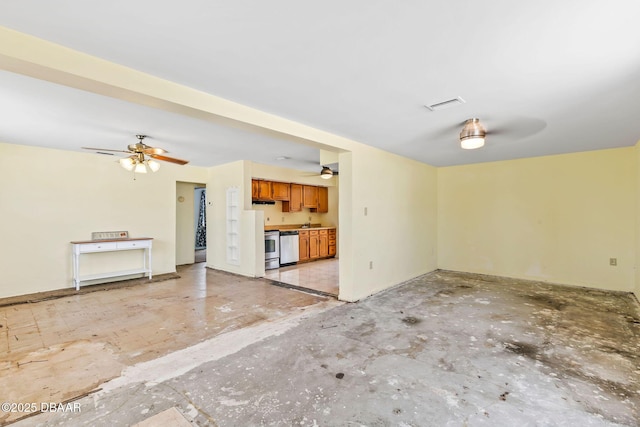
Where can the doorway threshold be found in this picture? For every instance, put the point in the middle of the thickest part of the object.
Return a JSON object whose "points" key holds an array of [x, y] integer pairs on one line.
{"points": [[301, 288]]}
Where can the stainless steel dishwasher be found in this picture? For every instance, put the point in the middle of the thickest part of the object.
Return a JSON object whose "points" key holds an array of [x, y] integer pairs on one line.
{"points": [[289, 247]]}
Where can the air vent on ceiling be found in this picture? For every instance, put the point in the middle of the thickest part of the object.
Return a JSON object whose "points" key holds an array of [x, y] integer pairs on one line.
{"points": [[445, 104]]}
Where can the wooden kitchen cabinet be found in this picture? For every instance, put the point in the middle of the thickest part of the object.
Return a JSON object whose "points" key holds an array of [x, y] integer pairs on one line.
{"points": [[261, 190], [303, 245], [309, 196], [323, 200], [280, 190], [323, 243], [255, 189], [314, 244], [332, 242], [294, 197], [294, 204], [265, 191]]}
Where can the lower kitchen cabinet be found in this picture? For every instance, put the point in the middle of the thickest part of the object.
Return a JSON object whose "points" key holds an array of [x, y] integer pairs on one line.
{"points": [[332, 242], [323, 243], [316, 244], [303, 244], [314, 247]]}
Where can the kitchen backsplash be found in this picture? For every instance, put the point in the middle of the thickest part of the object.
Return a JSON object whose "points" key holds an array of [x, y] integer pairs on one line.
{"points": [[273, 215]]}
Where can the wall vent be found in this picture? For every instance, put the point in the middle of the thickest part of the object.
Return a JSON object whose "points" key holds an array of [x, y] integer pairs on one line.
{"points": [[445, 104]]}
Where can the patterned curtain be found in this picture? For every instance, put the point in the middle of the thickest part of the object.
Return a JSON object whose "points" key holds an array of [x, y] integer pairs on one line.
{"points": [[201, 230]]}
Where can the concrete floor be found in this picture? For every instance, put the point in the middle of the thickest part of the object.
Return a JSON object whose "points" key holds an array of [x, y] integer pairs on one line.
{"points": [[445, 349]]}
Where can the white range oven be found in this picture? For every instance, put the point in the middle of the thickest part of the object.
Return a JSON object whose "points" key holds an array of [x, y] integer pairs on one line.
{"points": [[271, 250]]}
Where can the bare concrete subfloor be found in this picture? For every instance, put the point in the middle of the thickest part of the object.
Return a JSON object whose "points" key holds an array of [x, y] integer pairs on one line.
{"points": [[444, 349]]}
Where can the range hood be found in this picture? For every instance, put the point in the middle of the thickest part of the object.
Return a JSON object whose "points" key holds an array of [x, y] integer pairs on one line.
{"points": [[263, 202]]}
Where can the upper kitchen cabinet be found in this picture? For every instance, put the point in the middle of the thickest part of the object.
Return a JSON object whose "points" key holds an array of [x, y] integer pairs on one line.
{"points": [[309, 196], [261, 190], [281, 191], [323, 201], [295, 199], [255, 189]]}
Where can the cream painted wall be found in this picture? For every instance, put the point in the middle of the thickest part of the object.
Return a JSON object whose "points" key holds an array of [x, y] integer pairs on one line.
{"points": [[397, 236], [556, 218], [273, 215], [637, 215], [234, 175], [51, 197]]}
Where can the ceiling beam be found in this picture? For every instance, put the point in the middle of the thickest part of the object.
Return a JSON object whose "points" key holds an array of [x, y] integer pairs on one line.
{"points": [[30, 56]]}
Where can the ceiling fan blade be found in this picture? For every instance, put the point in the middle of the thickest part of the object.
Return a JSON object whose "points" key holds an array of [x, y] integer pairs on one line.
{"points": [[445, 132], [105, 149], [518, 127], [169, 159], [153, 150]]}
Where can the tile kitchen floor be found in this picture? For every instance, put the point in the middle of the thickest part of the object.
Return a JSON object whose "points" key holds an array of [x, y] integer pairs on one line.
{"points": [[317, 275], [58, 349]]}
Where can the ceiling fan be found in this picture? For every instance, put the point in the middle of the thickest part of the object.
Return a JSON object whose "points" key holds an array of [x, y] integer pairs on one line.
{"points": [[472, 133], [327, 172], [137, 162]]}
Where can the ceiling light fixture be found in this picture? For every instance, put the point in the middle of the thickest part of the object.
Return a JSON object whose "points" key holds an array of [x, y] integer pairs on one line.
{"points": [[472, 135], [326, 173], [138, 164]]}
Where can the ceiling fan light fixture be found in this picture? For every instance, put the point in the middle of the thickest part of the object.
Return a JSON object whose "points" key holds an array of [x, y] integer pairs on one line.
{"points": [[140, 168], [143, 157], [153, 165], [471, 143], [472, 135], [326, 173], [128, 163]]}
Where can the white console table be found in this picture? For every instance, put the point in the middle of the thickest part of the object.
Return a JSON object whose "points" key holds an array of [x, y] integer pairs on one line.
{"points": [[93, 246]]}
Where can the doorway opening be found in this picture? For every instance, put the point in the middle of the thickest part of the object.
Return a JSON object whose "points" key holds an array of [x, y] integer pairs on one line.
{"points": [[191, 223], [200, 219]]}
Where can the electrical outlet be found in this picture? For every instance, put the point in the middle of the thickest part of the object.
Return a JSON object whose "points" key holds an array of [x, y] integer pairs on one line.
{"points": [[613, 261], [267, 219], [370, 265], [365, 211], [282, 219]]}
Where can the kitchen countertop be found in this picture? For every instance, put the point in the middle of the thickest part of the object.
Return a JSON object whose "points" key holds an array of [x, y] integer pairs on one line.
{"points": [[297, 227]]}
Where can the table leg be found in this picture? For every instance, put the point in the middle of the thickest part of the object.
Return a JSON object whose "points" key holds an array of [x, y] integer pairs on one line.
{"points": [[76, 271]]}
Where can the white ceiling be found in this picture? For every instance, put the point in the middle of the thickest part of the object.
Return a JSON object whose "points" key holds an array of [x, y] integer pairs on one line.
{"points": [[545, 77]]}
